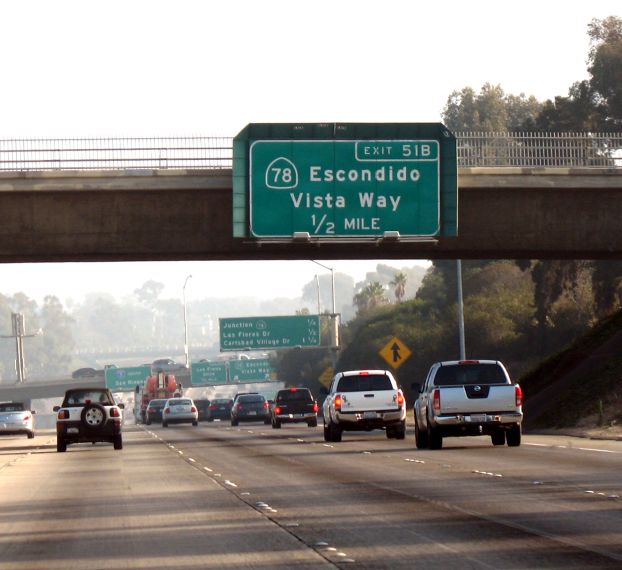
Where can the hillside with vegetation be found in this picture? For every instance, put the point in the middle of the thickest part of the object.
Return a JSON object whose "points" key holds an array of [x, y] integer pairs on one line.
{"points": [[580, 386]]}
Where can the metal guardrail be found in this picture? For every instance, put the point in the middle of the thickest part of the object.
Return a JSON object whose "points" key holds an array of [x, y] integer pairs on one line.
{"points": [[487, 149]]}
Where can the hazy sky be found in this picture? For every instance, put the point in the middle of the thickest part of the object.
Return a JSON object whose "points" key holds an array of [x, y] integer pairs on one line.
{"points": [[163, 68]]}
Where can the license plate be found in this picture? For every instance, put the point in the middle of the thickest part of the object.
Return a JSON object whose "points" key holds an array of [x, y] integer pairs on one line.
{"points": [[370, 415], [478, 418], [72, 430], [252, 413]]}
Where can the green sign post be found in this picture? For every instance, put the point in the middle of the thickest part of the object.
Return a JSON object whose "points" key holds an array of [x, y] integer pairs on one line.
{"points": [[344, 188], [251, 370], [126, 379], [206, 373], [345, 180], [267, 333]]}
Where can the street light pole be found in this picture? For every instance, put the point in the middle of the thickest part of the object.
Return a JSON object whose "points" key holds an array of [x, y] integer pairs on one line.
{"points": [[333, 317], [186, 323]]}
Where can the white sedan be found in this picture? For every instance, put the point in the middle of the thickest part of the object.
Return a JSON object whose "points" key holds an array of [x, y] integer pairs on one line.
{"points": [[180, 411]]}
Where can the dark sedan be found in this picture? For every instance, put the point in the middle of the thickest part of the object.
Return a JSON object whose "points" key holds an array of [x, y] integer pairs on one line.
{"points": [[219, 409], [250, 408], [154, 411]]}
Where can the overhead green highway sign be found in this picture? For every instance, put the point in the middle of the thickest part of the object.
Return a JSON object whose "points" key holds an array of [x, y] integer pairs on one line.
{"points": [[205, 373], [345, 181], [267, 333], [126, 379]]}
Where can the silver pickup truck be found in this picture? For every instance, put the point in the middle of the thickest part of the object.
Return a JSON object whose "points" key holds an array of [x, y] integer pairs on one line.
{"points": [[468, 397], [364, 400]]}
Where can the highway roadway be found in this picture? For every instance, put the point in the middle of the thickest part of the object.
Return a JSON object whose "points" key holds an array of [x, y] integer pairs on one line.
{"points": [[216, 496]]}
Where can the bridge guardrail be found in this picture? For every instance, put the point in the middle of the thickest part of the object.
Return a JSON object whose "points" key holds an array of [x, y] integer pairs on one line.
{"points": [[475, 149]]}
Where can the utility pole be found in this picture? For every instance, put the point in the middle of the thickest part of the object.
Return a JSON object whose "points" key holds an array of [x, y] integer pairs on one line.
{"points": [[18, 326]]}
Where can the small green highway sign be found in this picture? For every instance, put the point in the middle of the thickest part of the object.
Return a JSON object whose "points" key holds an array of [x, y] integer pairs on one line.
{"points": [[205, 373], [345, 181], [251, 370], [126, 379], [267, 333], [344, 188]]}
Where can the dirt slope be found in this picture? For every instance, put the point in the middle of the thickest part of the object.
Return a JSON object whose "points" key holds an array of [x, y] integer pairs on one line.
{"points": [[582, 385]]}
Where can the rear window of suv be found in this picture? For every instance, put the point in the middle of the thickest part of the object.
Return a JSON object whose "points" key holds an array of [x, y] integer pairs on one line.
{"points": [[364, 383], [460, 374], [81, 397], [294, 396], [252, 399]]}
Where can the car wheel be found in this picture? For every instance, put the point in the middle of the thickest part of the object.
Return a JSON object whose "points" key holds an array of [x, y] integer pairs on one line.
{"points": [[498, 437], [312, 423], [195, 423], [390, 431], [30, 434], [61, 445], [421, 437], [326, 432], [165, 424], [210, 419], [234, 422], [514, 436], [400, 430], [118, 442], [93, 416], [148, 422], [436, 439], [276, 424], [334, 432]]}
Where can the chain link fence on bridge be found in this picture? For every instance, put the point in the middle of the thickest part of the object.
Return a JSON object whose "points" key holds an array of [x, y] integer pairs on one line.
{"points": [[475, 149]]}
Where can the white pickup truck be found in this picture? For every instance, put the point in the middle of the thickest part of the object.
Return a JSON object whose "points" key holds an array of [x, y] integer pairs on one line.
{"points": [[468, 397], [364, 400]]}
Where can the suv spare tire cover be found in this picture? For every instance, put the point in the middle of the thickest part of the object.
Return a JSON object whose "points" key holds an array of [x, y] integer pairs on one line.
{"points": [[93, 416]]}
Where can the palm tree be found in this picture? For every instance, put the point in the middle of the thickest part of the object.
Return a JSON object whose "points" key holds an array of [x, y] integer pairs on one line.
{"points": [[399, 282], [371, 296]]}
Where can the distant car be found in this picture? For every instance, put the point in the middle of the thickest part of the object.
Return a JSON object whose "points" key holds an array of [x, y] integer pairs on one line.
{"points": [[166, 365], [153, 413], [88, 415], [250, 408], [219, 409], [202, 408], [294, 405], [15, 419], [84, 373], [180, 411]]}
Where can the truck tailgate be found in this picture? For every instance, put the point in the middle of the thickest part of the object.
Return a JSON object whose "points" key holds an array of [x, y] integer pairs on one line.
{"points": [[369, 401], [465, 399]]}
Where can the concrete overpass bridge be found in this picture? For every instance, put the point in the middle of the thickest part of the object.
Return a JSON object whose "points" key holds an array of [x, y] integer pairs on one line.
{"points": [[520, 196]]}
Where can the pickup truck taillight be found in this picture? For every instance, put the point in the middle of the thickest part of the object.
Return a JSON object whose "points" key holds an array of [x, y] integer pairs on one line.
{"points": [[115, 413], [338, 402], [436, 400], [277, 410], [315, 407], [63, 414], [400, 399], [519, 396]]}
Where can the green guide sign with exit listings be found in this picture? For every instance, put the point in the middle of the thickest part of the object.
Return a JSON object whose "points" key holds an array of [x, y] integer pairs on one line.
{"points": [[351, 180]]}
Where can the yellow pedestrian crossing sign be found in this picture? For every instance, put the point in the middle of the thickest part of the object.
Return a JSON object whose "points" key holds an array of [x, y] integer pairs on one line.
{"points": [[395, 352]]}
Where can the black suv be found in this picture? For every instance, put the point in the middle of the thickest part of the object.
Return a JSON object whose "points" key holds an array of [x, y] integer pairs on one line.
{"points": [[250, 408], [294, 405], [88, 415]]}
